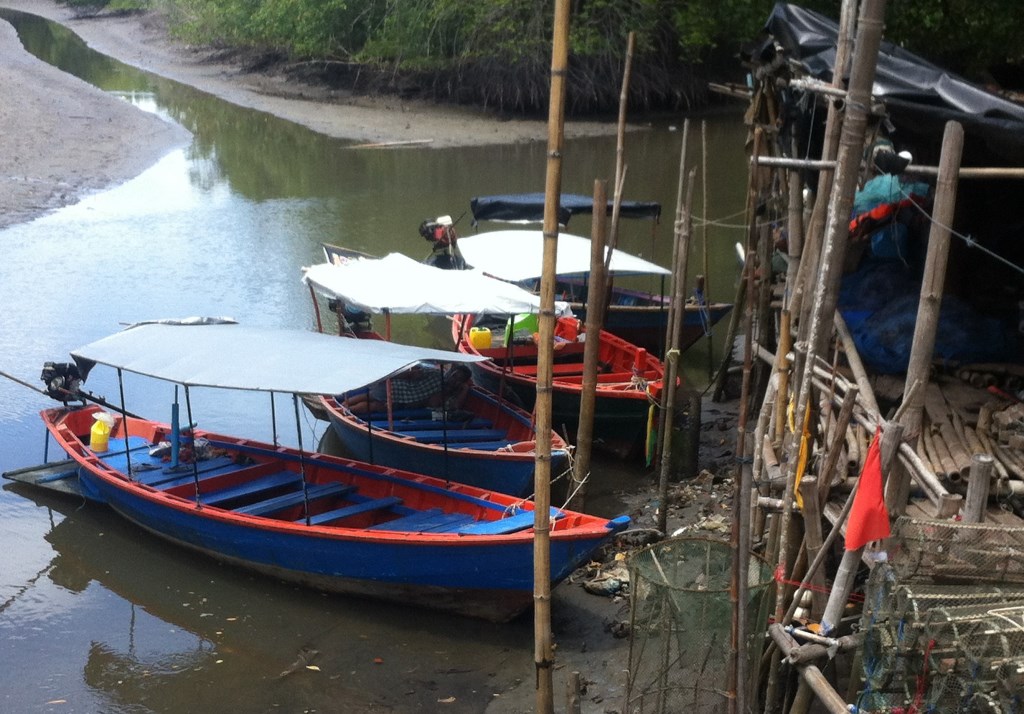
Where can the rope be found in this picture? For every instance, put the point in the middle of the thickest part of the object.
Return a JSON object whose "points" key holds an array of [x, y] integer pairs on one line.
{"points": [[968, 240]]}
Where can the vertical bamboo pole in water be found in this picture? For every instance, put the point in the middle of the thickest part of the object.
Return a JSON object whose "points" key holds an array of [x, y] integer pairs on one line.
{"points": [[672, 355], [591, 348], [543, 648]]}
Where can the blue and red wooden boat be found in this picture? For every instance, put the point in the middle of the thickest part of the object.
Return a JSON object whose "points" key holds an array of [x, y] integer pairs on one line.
{"points": [[321, 521], [629, 380], [488, 441], [636, 315]]}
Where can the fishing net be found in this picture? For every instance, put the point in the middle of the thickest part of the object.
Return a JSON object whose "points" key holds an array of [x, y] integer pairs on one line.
{"points": [[943, 621], [680, 617]]}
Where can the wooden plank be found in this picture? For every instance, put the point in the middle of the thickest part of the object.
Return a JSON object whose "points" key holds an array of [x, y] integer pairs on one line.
{"points": [[168, 476], [252, 488], [414, 426], [408, 523], [518, 522], [439, 436], [479, 445], [58, 476], [354, 510], [287, 500], [433, 521]]}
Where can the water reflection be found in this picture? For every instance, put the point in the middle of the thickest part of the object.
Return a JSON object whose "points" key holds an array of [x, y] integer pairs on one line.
{"points": [[176, 623]]}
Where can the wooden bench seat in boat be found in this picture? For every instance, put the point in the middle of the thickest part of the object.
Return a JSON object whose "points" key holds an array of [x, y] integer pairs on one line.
{"points": [[168, 477], [478, 445], [512, 524], [295, 498], [355, 509], [418, 413], [256, 487], [416, 424], [439, 435], [433, 520]]}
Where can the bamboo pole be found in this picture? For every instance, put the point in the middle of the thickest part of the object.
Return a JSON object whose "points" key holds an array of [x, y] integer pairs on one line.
{"points": [[675, 306], [543, 651], [591, 348], [869, 35], [923, 345], [782, 369], [813, 541], [833, 128], [740, 538], [742, 287], [678, 312], [856, 366], [677, 230], [795, 233], [620, 156], [704, 235], [976, 502], [838, 438], [842, 584]]}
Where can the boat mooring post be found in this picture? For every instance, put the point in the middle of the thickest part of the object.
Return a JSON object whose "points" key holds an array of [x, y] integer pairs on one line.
{"points": [[543, 650], [591, 349]]}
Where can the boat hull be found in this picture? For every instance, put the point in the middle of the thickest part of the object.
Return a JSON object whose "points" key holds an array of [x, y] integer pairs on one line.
{"points": [[629, 383], [646, 326], [488, 576]]}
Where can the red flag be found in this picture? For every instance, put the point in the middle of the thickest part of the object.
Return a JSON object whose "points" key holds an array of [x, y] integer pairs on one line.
{"points": [[869, 518]]}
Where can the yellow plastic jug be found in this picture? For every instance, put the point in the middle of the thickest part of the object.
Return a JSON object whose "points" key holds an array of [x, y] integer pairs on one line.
{"points": [[480, 337], [99, 435]]}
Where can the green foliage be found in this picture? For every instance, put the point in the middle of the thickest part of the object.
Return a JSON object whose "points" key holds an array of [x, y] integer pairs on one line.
{"points": [[701, 25], [499, 50], [969, 36]]}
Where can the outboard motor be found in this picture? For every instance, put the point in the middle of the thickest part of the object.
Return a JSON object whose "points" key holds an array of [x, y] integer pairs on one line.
{"points": [[63, 380], [440, 232]]}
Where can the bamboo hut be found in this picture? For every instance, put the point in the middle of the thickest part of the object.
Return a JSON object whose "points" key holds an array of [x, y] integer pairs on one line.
{"points": [[885, 294]]}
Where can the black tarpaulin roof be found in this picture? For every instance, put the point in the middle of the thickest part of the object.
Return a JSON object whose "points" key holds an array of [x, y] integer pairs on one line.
{"points": [[920, 96]]}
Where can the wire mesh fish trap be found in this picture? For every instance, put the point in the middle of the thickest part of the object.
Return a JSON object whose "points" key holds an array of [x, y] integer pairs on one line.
{"points": [[936, 640], [681, 620], [949, 551]]}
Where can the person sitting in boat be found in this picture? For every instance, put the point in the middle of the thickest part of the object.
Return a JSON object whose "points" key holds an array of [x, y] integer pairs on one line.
{"points": [[423, 385]]}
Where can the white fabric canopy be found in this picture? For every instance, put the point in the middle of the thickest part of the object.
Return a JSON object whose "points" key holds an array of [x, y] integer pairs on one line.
{"points": [[517, 255], [398, 284], [257, 359]]}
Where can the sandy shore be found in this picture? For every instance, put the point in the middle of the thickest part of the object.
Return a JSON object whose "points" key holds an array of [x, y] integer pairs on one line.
{"points": [[63, 138]]}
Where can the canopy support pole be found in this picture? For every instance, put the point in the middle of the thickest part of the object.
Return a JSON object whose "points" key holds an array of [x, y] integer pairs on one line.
{"points": [[273, 419], [175, 432], [124, 423], [302, 460], [192, 429]]}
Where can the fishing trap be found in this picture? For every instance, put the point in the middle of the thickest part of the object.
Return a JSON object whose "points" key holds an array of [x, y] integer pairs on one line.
{"points": [[943, 621], [681, 622]]}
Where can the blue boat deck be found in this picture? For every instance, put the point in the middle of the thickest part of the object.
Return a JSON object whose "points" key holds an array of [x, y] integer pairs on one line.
{"points": [[272, 491]]}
